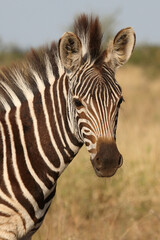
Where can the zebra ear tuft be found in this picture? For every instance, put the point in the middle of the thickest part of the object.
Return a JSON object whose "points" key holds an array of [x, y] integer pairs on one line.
{"points": [[70, 51], [121, 48]]}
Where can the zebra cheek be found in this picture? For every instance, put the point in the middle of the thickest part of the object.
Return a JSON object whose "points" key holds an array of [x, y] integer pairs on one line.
{"points": [[91, 147]]}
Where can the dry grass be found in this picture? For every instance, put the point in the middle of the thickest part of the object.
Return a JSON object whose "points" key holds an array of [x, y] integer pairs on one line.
{"points": [[127, 206]]}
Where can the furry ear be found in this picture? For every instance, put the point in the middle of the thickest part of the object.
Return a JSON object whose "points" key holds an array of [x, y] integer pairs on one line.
{"points": [[70, 51], [120, 49]]}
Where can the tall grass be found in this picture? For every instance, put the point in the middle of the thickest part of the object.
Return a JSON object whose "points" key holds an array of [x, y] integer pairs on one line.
{"points": [[126, 206], [148, 57], [10, 54]]}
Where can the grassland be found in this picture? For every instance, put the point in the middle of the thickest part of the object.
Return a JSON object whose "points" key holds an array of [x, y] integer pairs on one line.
{"points": [[126, 206]]}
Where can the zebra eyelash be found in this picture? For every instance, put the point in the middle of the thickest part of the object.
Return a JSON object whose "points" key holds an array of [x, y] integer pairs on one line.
{"points": [[78, 103], [120, 102]]}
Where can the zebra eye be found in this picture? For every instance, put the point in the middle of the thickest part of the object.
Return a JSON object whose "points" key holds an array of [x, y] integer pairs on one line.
{"points": [[77, 103], [120, 101]]}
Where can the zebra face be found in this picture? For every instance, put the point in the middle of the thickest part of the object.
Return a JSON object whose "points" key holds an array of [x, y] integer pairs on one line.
{"points": [[94, 95], [96, 99]]}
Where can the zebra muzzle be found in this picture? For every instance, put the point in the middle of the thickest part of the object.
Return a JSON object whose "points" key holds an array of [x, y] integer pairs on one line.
{"points": [[107, 159]]}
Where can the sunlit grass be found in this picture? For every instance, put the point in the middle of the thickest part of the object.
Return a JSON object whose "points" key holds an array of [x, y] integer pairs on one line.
{"points": [[148, 57]]}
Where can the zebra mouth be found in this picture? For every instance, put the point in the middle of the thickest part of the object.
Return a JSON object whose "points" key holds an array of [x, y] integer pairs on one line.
{"points": [[105, 172]]}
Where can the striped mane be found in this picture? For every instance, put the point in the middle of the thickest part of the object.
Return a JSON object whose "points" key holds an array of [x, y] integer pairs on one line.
{"points": [[88, 29], [20, 76]]}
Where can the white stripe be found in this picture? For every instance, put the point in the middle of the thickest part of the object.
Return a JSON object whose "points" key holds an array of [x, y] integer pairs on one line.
{"points": [[60, 67], [104, 112], [109, 117], [93, 120], [5, 169], [50, 76], [106, 99]]}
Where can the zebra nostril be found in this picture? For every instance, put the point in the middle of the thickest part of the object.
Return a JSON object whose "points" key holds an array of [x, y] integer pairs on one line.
{"points": [[98, 163], [98, 160], [120, 161]]}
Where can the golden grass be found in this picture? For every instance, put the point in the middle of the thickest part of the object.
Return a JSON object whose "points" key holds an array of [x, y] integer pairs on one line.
{"points": [[126, 206]]}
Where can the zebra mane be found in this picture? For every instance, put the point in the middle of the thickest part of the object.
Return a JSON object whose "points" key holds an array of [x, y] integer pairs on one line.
{"points": [[88, 29], [38, 67]]}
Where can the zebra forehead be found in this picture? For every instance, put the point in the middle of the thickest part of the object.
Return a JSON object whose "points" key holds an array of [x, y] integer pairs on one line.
{"points": [[99, 92], [97, 82]]}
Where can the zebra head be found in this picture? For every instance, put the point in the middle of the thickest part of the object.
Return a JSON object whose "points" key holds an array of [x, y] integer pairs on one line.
{"points": [[94, 96]]}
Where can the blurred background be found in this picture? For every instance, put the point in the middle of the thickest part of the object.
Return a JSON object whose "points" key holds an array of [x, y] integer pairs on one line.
{"points": [[126, 206]]}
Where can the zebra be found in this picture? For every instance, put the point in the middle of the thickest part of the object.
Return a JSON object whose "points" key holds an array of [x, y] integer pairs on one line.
{"points": [[60, 97]]}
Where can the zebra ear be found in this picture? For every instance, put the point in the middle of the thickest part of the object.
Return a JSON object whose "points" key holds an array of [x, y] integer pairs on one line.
{"points": [[120, 49], [70, 51]]}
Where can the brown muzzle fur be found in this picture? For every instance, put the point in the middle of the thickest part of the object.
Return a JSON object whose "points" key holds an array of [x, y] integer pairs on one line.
{"points": [[108, 159]]}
